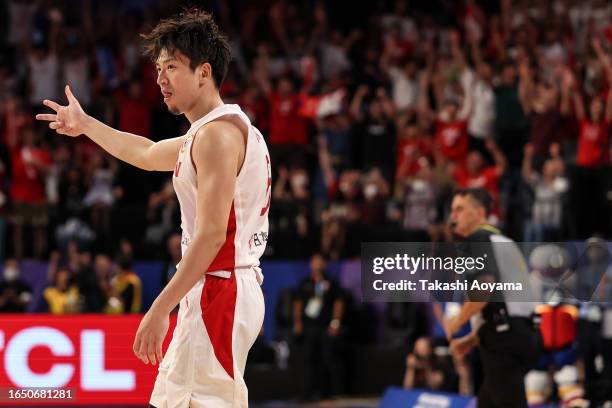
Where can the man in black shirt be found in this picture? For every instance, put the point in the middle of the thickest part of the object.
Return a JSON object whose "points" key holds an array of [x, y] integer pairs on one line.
{"points": [[15, 294], [502, 329], [318, 312]]}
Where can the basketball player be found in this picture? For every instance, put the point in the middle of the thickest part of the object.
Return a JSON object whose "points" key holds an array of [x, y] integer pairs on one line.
{"points": [[222, 180]]}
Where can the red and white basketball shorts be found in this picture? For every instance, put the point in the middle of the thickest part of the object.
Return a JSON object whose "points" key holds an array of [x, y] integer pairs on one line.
{"points": [[218, 322]]}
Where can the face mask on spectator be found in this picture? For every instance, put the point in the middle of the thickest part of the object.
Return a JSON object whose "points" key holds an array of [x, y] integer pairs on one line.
{"points": [[299, 180], [370, 191], [560, 184], [10, 273], [419, 185]]}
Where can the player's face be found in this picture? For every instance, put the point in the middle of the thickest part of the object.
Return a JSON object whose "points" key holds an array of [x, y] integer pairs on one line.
{"points": [[179, 84], [465, 215]]}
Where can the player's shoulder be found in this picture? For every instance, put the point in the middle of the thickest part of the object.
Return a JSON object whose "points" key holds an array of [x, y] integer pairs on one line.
{"points": [[220, 133], [215, 140]]}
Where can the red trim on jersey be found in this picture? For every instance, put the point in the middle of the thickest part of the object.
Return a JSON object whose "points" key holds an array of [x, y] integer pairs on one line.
{"points": [[226, 257], [218, 304]]}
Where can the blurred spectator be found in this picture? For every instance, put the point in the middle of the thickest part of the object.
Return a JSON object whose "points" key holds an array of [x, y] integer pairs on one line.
{"points": [[255, 106], [43, 61], [424, 369], [475, 174], [77, 65], [374, 119], [103, 270], [404, 81], [289, 134], [30, 163], [84, 276], [163, 214], [174, 255], [594, 138], [540, 102], [71, 190], [453, 106], [134, 109], [548, 191], [511, 125], [482, 119], [62, 297], [127, 286], [291, 212], [15, 293], [376, 192], [100, 197], [318, 314], [21, 19], [341, 221], [419, 202], [414, 141]]}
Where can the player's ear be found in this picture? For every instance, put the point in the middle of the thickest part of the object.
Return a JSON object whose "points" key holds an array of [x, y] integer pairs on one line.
{"points": [[205, 72]]}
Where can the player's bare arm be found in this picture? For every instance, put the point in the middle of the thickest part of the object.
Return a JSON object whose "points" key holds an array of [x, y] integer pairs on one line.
{"points": [[217, 153], [71, 120]]}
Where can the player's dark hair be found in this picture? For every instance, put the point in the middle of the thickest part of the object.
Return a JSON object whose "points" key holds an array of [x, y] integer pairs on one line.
{"points": [[479, 195], [194, 34]]}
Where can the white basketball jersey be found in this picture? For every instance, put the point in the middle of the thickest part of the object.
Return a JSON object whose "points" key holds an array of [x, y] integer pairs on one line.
{"points": [[247, 226]]}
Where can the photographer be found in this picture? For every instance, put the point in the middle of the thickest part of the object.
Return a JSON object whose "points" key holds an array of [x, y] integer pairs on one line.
{"points": [[424, 369]]}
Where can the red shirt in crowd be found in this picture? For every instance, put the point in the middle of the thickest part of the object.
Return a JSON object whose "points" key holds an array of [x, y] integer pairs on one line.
{"points": [[488, 179], [593, 144], [257, 110], [134, 116], [286, 125], [452, 137], [408, 153], [28, 181]]}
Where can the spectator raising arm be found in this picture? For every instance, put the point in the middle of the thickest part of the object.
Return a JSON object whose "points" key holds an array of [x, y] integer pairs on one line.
{"points": [[527, 170], [578, 105], [501, 163], [357, 102], [329, 177], [526, 91], [567, 84], [606, 63]]}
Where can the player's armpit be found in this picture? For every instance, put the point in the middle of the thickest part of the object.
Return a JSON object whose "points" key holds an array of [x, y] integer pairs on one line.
{"points": [[162, 156]]}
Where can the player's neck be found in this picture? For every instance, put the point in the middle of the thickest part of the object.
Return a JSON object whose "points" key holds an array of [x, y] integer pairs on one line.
{"points": [[203, 106]]}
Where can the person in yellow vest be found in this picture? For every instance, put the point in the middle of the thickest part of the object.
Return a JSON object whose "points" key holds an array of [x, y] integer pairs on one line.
{"points": [[63, 297], [127, 286]]}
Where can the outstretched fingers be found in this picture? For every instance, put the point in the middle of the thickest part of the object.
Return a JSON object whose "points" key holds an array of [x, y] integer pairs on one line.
{"points": [[53, 105], [70, 95], [46, 116]]}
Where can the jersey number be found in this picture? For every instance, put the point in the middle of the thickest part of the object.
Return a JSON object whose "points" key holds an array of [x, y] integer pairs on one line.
{"points": [[264, 210]]}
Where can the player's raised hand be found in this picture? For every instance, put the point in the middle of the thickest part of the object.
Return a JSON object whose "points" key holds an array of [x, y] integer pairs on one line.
{"points": [[67, 120]]}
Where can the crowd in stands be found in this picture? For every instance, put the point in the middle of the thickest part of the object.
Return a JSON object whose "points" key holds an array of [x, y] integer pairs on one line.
{"points": [[372, 117], [371, 121]]}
